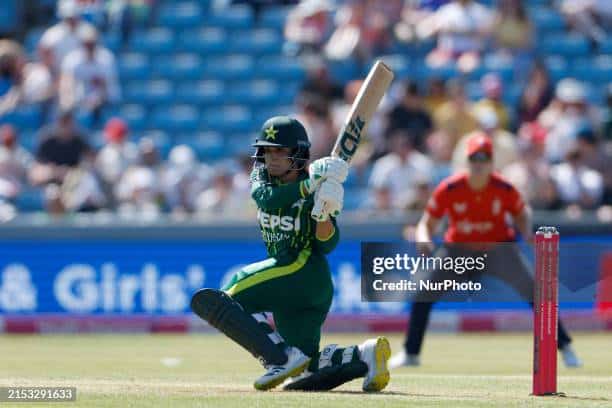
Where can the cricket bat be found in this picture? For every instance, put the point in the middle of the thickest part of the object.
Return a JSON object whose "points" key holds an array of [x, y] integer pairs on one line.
{"points": [[365, 104]]}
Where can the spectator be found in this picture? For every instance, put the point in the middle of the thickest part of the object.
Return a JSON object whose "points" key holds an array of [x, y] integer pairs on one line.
{"points": [[64, 37], [14, 164], [492, 88], [413, 12], [531, 174], [440, 153], [62, 168], [41, 80], [314, 114], [568, 112], [320, 84], [462, 27], [597, 156], [221, 198], [397, 179], [62, 147], [593, 18], [116, 156], [308, 26], [12, 62], [89, 78], [436, 95], [410, 115], [536, 95], [512, 32], [454, 118], [138, 191], [577, 184], [504, 143], [362, 30], [182, 181]]}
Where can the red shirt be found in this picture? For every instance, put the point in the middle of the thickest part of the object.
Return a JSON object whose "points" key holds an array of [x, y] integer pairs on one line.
{"points": [[476, 216]]}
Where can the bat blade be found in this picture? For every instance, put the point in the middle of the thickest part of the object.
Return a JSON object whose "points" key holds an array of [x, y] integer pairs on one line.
{"points": [[365, 104]]}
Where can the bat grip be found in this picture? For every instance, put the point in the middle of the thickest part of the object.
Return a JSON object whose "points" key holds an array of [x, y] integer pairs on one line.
{"points": [[317, 210]]}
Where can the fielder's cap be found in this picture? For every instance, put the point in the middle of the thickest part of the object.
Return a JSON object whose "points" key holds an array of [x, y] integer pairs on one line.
{"points": [[115, 130], [570, 90], [479, 143], [282, 131]]}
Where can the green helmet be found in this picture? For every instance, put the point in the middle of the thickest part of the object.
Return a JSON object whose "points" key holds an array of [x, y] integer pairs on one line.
{"points": [[284, 131]]}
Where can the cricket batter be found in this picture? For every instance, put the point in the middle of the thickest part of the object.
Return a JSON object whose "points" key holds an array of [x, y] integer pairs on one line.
{"points": [[477, 203], [294, 283]]}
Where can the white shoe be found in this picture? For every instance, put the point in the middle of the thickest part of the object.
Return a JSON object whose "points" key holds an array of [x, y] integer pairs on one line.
{"points": [[296, 363], [375, 353], [570, 358], [403, 359]]}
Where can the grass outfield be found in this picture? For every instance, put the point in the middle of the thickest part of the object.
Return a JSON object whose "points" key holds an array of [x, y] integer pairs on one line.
{"points": [[477, 370]]}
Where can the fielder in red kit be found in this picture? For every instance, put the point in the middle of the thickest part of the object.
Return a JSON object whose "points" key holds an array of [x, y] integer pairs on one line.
{"points": [[482, 209]]}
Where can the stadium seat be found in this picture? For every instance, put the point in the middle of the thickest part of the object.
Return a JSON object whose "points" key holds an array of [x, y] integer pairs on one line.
{"points": [[423, 71], [557, 67], [154, 41], [343, 71], [208, 92], [231, 67], [135, 116], [254, 93], [234, 17], [256, 42], [156, 92], [546, 18], [597, 70], [264, 113], [133, 66], [180, 15], [207, 145], [9, 16], [230, 119], [280, 68], [400, 65], [177, 118], [160, 139], [606, 46], [205, 41], [30, 199], [24, 117], [32, 38], [274, 17], [239, 143], [179, 67], [567, 45], [112, 41]]}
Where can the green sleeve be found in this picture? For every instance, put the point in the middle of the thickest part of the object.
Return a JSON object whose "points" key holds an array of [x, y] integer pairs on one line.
{"points": [[330, 243], [271, 197]]}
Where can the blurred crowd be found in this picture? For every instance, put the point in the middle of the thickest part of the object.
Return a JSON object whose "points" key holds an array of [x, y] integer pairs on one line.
{"points": [[554, 145]]}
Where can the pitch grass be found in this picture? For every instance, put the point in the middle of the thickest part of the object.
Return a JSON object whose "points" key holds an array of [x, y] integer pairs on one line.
{"points": [[479, 370]]}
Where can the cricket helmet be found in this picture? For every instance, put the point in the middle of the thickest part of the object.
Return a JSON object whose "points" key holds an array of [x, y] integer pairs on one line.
{"points": [[283, 131]]}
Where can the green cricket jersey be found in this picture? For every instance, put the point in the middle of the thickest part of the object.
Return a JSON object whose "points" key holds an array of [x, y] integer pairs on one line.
{"points": [[284, 216]]}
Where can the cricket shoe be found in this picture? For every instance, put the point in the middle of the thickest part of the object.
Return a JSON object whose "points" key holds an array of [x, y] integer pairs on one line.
{"points": [[276, 374], [403, 359], [375, 353], [570, 359]]}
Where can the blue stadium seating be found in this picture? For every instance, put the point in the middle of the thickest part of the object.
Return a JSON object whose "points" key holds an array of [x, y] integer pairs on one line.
{"points": [[154, 41], [177, 118], [155, 92], [30, 199], [230, 67], [32, 38], [400, 65], [597, 70], [207, 41], [546, 19], [201, 93], [280, 68], [9, 16], [27, 117], [567, 45], [256, 42], [135, 116], [557, 67], [606, 46], [179, 67], [274, 18], [263, 92], [229, 119], [161, 140], [181, 15], [235, 17], [133, 66], [207, 145]]}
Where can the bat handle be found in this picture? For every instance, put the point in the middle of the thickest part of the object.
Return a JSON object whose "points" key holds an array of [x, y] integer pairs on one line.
{"points": [[317, 210]]}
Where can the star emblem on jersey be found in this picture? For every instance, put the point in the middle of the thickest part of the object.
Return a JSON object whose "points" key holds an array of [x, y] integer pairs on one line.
{"points": [[271, 133]]}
